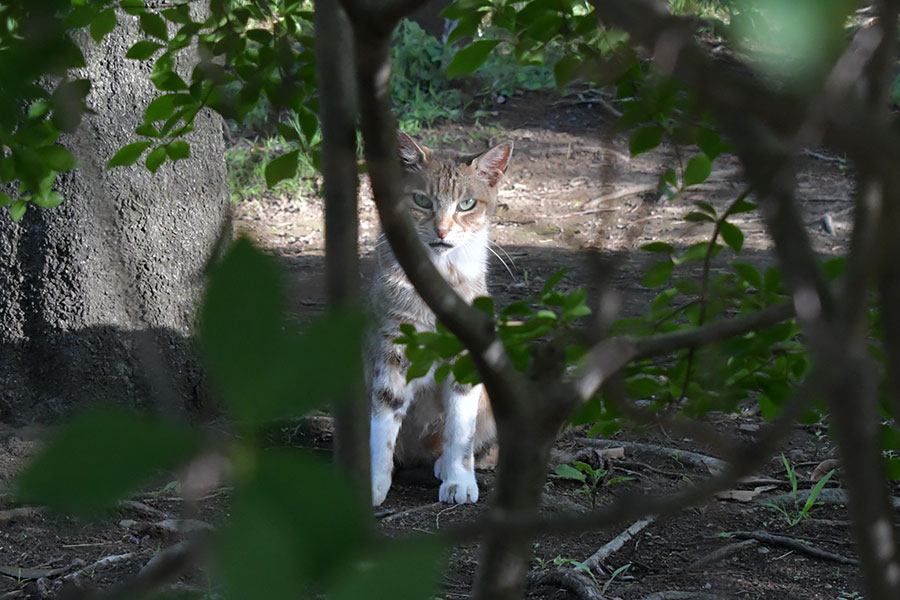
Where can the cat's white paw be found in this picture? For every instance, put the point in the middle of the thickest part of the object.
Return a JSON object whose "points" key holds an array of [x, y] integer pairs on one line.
{"points": [[459, 490], [380, 487], [439, 469]]}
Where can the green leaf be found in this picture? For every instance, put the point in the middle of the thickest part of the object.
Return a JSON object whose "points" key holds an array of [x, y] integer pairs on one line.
{"points": [[834, 267], [748, 273], [133, 7], [156, 157], [732, 235], [309, 123], [178, 149], [168, 81], [128, 155], [706, 207], [48, 200], [645, 139], [180, 14], [466, 26], [57, 158], [698, 217], [5, 200], [266, 370], [553, 281], [102, 24], [419, 368], [661, 247], [154, 25], [142, 50], [710, 143], [464, 370], [698, 252], [658, 274], [162, 107], [440, 374], [816, 490], [283, 167], [101, 457], [485, 304], [470, 58], [17, 209], [742, 207], [293, 521], [697, 170], [405, 570], [569, 472], [643, 386], [565, 68]]}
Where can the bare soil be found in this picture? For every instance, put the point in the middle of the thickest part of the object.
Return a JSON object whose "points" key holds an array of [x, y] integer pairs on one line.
{"points": [[572, 190]]}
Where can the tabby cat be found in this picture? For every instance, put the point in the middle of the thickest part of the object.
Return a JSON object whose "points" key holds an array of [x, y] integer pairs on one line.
{"points": [[452, 198]]}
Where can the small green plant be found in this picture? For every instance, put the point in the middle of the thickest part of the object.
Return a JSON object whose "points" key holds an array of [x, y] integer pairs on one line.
{"points": [[798, 514], [560, 561], [612, 578], [590, 477]]}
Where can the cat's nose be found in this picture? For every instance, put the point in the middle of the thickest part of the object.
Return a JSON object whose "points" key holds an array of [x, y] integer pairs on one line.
{"points": [[442, 231]]}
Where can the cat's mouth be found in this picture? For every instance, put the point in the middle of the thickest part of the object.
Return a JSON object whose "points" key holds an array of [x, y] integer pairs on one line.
{"points": [[440, 245]]}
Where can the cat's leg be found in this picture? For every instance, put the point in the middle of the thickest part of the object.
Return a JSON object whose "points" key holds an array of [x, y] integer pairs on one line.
{"points": [[456, 465], [391, 397], [389, 407]]}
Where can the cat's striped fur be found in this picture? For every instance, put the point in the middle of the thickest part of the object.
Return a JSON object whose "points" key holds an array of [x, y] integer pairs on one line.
{"points": [[452, 198]]}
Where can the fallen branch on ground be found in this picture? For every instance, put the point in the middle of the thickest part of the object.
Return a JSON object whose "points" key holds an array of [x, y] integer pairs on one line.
{"points": [[598, 559]]}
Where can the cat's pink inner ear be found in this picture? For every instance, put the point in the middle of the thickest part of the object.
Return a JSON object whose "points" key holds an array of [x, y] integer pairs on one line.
{"points": [[491, 165], [412, 155]]}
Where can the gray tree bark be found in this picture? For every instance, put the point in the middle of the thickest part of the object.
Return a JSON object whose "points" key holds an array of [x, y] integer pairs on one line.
{"points": [[98, 297]]}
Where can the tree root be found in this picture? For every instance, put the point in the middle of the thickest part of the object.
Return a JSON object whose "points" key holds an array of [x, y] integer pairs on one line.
{"points": [[712, 464], [721, 554], [577, 582], [794, 544]]}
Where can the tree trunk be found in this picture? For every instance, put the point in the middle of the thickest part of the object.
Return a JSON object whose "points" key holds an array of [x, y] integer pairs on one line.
{"points": [[98, 297]]}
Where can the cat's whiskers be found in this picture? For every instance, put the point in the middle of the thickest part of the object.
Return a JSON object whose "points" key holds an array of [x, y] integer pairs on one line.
{"points": [[502, 262], [505, 253]]}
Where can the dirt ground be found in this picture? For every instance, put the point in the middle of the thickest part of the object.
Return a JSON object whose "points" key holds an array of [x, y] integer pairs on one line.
{"points": [[572, 189]]}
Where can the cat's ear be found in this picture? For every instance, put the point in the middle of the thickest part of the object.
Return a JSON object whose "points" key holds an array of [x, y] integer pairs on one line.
{"points": [[491, 165], [412, 156]]}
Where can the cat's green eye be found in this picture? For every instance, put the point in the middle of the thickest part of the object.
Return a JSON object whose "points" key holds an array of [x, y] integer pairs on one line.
{"points": [[422, 200], [467, 204]]}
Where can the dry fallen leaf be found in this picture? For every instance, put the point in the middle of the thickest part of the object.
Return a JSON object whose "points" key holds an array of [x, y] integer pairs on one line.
{"points": [[823, 467], [744, 495]]}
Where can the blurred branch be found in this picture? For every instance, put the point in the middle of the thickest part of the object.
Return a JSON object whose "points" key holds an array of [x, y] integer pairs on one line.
{"points": [[338, 117], [609, 356]]}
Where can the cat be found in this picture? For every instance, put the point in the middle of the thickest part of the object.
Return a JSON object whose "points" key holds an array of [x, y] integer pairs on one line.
{"points": [[452, 198]]}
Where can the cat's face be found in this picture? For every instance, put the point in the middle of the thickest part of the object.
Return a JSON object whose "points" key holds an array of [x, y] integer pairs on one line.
{"points": [[452, 197]]}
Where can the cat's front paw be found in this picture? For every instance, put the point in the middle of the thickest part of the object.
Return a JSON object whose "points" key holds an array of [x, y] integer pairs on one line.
{"points": [[459, 490], [380, 487]]}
